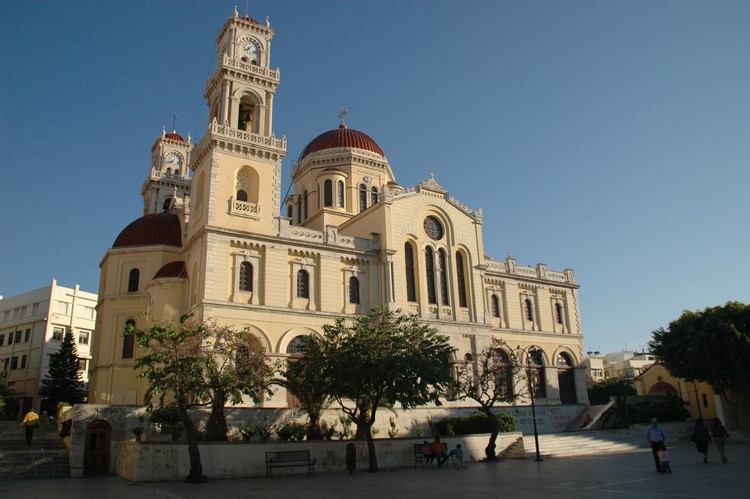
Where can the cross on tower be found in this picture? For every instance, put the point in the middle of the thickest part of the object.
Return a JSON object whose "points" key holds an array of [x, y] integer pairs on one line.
{"points": [[342, 115]]}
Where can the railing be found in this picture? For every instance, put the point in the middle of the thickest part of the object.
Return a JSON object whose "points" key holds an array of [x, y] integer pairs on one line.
{"points": [[254, 138], [250, 68], [156, 175], [244, 209]]}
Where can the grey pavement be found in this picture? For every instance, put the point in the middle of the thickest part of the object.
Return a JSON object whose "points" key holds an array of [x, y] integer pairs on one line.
{"points": [[629, 474]]}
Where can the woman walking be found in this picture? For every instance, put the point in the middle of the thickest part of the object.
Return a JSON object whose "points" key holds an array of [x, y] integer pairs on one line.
{"points": [[701, 437], [720, 435]]}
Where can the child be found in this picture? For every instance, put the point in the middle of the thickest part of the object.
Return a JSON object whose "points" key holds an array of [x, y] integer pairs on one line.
{"points": [[458, 456], [427, 452], [664, 460]]}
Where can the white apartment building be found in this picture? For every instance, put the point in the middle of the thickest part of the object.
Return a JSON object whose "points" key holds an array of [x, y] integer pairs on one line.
{"points": [[624, 364], [32, 326]]}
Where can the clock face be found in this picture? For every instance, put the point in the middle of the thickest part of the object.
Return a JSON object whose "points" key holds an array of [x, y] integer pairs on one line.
{"points": [[433, 228], [174, 159], [250, 49]]}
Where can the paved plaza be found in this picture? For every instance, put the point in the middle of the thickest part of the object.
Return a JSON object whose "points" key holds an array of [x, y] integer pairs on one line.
{"points": [[613, 475]]}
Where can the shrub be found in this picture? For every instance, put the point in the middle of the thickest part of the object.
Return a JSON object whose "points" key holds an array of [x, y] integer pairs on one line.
{"points": [[475, 422], [291, 430], [667, 408], [168, 420]]}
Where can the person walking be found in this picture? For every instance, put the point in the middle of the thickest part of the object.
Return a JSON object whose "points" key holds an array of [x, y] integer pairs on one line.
{"points": [[701, 437], [30, 423], [720, 435], [656, 436]]}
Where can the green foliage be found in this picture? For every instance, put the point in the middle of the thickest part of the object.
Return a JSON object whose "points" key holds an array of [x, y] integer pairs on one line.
{"points": [[711, 345], [392, 428], [346, 427], [291, 430], [475, 422], [420, 431], [381, 359], [667, 408], [601, 391], [168, 420], [63, 382], [248, 432], [305, 381]]}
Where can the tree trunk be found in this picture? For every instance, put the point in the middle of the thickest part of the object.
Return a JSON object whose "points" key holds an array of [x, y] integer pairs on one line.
{"points": [[489, 451], [196, 468], [216, 427], [313, 431], [372, 457]]}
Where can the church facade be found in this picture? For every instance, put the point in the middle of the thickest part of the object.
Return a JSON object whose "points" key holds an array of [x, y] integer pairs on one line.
{"points": [[218, 241]]}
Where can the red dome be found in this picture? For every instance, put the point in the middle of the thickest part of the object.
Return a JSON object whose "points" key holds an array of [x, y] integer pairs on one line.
{"points": [[172, 269], [175, 136], [156, 229], [341, 137]]}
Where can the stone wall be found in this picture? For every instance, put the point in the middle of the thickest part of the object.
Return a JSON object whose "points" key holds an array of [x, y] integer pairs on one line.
{"points": [[144, 462]]}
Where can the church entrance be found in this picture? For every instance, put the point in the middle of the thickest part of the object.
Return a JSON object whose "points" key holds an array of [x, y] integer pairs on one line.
{"points": [[566, 379], [96, 452]]}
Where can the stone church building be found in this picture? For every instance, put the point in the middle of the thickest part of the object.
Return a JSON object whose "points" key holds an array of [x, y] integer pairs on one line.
{"points": [[216, 239]]}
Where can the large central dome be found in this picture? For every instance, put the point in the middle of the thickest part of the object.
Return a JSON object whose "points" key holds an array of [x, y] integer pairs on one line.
{"points": [[341, 137]]}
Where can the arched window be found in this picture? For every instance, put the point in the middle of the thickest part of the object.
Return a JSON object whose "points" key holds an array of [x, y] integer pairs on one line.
{"points": [[246, 276], [289, 211], [304, 204], [429, 265], [495, 306], [536, 371], [134, 280], [296, 346], [362, 197], [128, 342], [564, 360], [341, 193], [529, 309], [353, 290], [503, 371], [299, 209], [443, 264], [303, 284], [411, 291], [558, 313], [242, 195], [246, 115], [461, 276], [328, 193], [373, 196], [165, 205]]}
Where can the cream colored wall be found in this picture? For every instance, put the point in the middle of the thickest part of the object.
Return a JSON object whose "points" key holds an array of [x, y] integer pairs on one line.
{"points": [[685, 389]]}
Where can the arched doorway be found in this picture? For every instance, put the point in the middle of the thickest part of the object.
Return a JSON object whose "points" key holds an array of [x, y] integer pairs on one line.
{"points": [[566, 378], [96, 452]]}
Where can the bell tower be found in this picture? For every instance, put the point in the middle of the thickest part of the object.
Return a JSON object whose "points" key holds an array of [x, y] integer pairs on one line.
{"points": [[167, 187], [237, 165]]}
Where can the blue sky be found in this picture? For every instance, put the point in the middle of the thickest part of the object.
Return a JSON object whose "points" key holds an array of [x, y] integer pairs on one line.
{"points": [[610, 137]]}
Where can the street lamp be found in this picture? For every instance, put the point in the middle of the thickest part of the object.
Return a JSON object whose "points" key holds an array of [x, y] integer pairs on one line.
{"points": [[530, 379]]}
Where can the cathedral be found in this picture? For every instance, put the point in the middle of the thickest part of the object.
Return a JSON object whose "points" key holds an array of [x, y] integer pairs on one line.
{"points": [[217, 240]]}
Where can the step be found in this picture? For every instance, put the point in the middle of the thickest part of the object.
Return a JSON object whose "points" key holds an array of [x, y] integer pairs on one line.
{"points": [[25, 464]]}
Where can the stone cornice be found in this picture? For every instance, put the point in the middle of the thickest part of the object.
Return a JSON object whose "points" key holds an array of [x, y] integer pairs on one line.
{"points": [[238, 142]]}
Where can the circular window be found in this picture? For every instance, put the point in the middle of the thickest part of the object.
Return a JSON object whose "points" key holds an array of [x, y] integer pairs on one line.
{"points": [[433, 228]]}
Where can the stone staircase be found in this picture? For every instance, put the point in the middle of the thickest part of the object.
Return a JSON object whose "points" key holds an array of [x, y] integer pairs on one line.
{"points": [[585, 443], [47, 457]]}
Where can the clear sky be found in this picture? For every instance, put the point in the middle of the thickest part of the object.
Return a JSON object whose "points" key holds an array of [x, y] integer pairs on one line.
{"points": [[610, 137]]}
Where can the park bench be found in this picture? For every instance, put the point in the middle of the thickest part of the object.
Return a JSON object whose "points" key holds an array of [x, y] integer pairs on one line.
{"points": [[288, 459], [420, 458]]}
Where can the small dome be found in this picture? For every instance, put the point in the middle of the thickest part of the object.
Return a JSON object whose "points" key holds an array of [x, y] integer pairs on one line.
{"points": [[156, 229], [175, 136], [172, 269], [250, 20], [341, 137]]}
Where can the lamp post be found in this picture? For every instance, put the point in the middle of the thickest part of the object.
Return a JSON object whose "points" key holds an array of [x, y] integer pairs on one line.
{"points": [[520, 352], [533, 407]]}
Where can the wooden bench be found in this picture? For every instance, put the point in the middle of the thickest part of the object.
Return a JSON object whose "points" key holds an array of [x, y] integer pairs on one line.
{"points": [[420, 458], [288, 459]]}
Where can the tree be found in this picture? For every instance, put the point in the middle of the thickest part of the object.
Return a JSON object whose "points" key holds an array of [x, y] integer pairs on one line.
{"points": [[195, 364], [63, 382], [711, 345], [381, 359], [496, 376], [236, 365], [305, 381]]}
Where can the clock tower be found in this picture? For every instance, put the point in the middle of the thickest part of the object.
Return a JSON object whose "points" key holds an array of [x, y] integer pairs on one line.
{"points": [[167, 187]]}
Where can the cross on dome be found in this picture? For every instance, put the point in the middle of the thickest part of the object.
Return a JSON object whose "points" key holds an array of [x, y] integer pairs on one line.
{"points": [[342, 115]]}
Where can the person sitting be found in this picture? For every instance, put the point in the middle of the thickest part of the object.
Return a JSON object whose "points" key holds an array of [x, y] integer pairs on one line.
{"points": [[427, 452], [586, 421], [438, 451]]}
